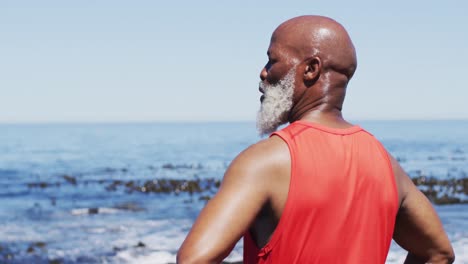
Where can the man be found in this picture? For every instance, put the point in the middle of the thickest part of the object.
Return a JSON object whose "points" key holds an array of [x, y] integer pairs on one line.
{"points": [[320, 190]]}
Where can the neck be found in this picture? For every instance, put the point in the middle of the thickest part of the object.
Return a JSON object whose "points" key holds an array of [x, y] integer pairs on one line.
{"points": [[321, 103]]}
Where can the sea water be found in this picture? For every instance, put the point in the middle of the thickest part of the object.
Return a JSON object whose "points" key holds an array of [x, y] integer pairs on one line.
{"points": [[58, 204]]}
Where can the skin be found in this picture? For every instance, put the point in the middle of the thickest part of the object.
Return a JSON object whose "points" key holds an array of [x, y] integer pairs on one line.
{"points": [[255, 186]]}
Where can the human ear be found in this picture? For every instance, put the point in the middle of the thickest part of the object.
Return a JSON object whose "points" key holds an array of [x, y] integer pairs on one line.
{"points": [[312, 69]]}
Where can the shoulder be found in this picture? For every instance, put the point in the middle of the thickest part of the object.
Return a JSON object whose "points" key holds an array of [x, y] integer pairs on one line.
{"points": [[268, 152], [260, 162]]}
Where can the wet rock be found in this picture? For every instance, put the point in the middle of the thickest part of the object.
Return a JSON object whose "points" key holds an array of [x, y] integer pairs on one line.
{"points": [[129, 207], [40, 244], [129, 184], [170, 166], [401, 159], [113, 186], [94, 210], [443, 191], [140, 244], [204, 198], [167, 186], [116, 249], [30, 250], [69, 179], [41, 185], [445, 199]]}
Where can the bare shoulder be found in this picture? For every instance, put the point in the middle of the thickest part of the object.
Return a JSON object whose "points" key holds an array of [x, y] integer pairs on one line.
{"points": [[266, 155], [259, 162]]}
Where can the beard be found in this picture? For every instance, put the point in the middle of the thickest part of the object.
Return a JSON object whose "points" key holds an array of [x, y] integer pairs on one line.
{"points": [[276, 105]]}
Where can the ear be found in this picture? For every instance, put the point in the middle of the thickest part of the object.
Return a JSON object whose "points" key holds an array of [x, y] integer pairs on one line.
{"points": [[312, 69]]}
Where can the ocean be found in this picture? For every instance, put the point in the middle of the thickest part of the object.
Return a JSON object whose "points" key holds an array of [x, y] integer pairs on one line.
{"points": [[128, 193]]}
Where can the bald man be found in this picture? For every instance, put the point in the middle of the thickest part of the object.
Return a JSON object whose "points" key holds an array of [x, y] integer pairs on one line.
{"points": [[321, 190]]}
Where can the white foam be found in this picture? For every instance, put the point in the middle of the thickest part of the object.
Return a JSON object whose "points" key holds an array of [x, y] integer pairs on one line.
{"points": [[161, 238]]}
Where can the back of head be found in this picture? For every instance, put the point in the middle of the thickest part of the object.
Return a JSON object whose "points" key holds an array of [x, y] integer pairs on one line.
{"points": [[311, 36], [311, 60]]}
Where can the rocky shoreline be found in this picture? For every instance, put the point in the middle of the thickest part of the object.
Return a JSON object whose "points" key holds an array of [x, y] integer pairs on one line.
{"points": [[438, 191], [195, 190]]}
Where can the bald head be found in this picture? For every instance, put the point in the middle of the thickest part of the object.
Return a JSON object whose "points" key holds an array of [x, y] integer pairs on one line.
{"points": [[323, 37], [310, 60]]}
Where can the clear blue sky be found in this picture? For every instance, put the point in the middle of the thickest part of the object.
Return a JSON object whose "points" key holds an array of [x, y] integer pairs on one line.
{"points": [[96, 61]]}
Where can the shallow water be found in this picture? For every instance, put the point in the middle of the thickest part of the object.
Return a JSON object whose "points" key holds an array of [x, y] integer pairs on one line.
{"points": [[57, 204]]}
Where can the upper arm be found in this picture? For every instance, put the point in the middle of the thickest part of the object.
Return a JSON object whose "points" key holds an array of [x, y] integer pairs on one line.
{"points": [[225, 218], [418, 229]]}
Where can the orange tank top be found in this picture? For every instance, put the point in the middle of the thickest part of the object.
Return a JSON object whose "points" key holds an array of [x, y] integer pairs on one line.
{"points": [[342, 200]]}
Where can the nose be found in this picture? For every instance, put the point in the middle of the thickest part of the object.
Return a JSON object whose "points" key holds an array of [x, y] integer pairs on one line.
{"points": [[263, 74]]}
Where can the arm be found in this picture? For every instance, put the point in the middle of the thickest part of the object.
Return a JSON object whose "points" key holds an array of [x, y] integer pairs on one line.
{"points": [[230, 212], [418, 228]]}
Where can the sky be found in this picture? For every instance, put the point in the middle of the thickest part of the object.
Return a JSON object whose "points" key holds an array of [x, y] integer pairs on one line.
{"points": [[144, 61]]}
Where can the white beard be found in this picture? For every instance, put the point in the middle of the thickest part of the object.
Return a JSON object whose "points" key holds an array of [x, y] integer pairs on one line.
{"points": [[276, 105]]}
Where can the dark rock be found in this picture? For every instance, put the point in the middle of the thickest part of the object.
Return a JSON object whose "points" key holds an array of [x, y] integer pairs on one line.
{"points": [[129, 184], [41, 185], [140, 244], [217, 183], [204, 198], [93, 210], [40, 244], [55, 261], [442, 191], [129, 207], [168, 166], [445, 199], [70, 179], [400, 159], [117, 249]]}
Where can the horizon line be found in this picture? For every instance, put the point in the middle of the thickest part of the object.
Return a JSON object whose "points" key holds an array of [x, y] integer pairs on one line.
{"points": [[115, 122]]}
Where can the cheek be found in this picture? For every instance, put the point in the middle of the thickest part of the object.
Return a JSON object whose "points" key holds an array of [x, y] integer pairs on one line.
{"points": [[274, 75]]}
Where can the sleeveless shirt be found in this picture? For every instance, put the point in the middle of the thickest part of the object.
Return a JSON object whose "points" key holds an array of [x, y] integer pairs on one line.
{"points": [[342, 200]]}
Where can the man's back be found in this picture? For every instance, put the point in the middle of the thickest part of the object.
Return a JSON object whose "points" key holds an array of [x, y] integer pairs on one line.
{"points": [[311, 60], [342, 199]]}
